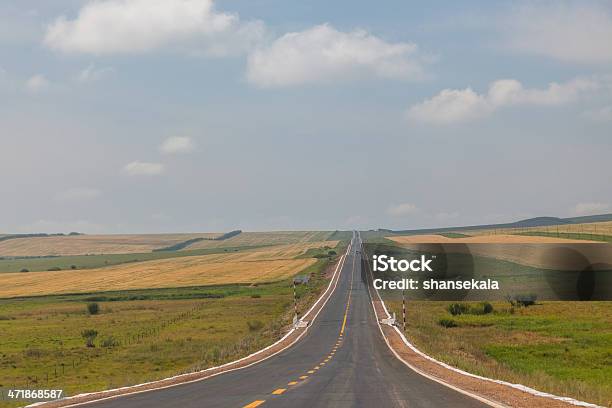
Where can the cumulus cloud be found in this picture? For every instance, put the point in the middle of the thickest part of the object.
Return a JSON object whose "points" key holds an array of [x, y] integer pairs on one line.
{"points": [[78, 194], [591, 208], [132, 26], [93, 74], [323, 54], [603, 114], [138, 168], [577, 32], [36, 83], [401, 210], [177, 144], [459, 105]]}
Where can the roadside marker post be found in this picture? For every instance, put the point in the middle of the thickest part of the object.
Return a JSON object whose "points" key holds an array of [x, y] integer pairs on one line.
{"points": [[404, 310]]}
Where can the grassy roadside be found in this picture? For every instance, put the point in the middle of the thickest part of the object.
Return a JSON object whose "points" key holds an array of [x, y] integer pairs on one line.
{"points": [[144, 335], [558, 347]]}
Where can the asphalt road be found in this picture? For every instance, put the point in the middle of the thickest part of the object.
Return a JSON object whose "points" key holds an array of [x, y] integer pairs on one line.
{"points": [[342, 361]]}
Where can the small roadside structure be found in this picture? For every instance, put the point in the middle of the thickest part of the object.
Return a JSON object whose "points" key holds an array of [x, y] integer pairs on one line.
{"points": [[301, 279]]}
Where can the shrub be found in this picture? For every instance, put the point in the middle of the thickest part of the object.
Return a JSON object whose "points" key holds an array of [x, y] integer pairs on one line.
{"points": [[256, 296], [458, 308], [54, 268], [331, 253], [487, 307], [109, 341], [255, 325], [90, 336], [93, 308], [444, 322], [73, 267], [25, 270]]}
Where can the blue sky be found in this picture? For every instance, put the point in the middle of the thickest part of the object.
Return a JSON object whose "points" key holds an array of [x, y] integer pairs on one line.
{"points": [[189, 115]]}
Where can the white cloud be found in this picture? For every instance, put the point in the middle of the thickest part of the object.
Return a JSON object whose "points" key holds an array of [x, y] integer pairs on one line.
{"points": [[78, 194], [577, 33], [138, 168], [323, 54], [591, 208], [92, 74], [401, 210], [36, 83], [458, 105], [128, 26], [177, 144], [599, 115]]}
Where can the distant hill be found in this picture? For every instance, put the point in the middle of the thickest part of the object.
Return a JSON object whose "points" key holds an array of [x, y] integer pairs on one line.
{"points": [[530, 222]]}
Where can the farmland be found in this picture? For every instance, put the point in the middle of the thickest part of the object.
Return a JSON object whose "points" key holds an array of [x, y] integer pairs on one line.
{"points": [[593, 231], [93, 244], [482, 239], [265, 238], [249, 267], [155, 318], [557, 347]]}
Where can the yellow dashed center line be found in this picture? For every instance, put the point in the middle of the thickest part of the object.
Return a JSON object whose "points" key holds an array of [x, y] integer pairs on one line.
{"points": [[279, 391], [254, 404]]}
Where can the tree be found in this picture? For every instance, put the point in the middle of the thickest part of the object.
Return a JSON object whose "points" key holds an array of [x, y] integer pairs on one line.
{"points": [[90, 336]]}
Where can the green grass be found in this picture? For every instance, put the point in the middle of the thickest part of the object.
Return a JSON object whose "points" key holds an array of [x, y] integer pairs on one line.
{"points": [[33, 264], [569, 235], [558, 347], [159, 332]]}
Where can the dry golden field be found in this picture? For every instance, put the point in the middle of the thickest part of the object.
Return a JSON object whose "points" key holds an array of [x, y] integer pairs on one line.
{"points": [[481, 239], [534, 251], [255, 266], [93, 244], [596, 228], [265, 238]]}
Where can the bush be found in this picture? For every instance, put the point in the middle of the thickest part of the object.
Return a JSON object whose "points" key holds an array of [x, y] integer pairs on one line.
{"points": [[458, 308], [73, 267], [444, 322], [256, 296], [90, 336], [255, 325], [25, 270], [463, 308], [93, 308], [54, 268], [331, 253], [109, 341]]}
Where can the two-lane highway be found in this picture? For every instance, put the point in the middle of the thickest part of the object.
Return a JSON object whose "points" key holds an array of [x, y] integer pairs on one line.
{"points": [[342, 361]]}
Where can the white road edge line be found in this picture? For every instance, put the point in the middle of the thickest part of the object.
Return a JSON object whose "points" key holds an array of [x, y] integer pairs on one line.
{"points": [[520, 387], [336, 271]]}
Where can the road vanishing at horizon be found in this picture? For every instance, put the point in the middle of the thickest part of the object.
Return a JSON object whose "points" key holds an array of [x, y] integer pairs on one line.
{"points": [[342, 361]]}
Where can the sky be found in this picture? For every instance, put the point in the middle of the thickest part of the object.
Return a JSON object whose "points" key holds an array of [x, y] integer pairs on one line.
{"points": [[145, 116]]}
